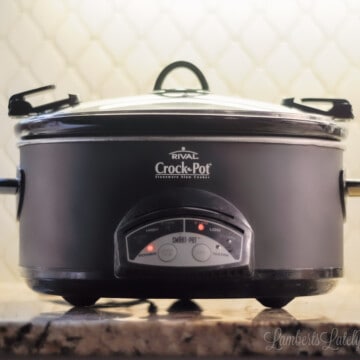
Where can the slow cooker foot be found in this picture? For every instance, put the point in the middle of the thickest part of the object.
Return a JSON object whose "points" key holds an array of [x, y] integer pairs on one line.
{"points": [[274, 302], [186, 305], [80, 300]]}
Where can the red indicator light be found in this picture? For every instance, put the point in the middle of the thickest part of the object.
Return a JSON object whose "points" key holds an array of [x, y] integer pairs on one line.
{"points": [[150, 248], [201, 227]]}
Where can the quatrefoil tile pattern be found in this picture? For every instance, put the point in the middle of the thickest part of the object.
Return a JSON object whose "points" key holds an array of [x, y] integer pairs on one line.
{"points": [[262, 49]]}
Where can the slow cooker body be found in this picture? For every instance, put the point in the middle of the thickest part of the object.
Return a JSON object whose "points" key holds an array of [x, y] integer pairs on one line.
{"points": [[182, 217], [180, 194]]}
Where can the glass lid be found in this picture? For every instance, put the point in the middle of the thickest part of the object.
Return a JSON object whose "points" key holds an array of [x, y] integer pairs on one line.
{"points": [[178, 112]]}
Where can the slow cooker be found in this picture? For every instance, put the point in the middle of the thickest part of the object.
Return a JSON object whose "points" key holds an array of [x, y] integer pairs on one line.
{"points": [[180, 194]]}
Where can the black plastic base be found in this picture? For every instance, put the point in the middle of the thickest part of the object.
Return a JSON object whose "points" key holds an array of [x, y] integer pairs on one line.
{"points": [[274, 293]]}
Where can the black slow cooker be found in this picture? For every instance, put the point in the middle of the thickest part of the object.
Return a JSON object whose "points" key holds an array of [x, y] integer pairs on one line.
{"points": [[180, 194]]}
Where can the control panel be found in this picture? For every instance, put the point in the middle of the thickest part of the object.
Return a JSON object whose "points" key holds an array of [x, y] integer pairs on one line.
{"points": [[187, 242]]}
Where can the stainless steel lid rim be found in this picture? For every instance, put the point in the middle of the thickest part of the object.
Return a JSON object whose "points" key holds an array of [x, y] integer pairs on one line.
{"points": [[243, 114], [154, 124], [281, 140]]}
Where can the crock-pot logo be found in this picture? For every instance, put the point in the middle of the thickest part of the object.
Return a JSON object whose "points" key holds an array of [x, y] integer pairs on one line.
{"points": [[184, 164]]}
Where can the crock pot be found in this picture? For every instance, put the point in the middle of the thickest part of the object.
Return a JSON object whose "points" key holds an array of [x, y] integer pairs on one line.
{"points": [[180, 194]]}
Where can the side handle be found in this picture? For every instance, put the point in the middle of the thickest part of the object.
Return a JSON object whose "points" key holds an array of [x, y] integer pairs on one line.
{"points": [[9, 186], [15, 187], [352, 187]]}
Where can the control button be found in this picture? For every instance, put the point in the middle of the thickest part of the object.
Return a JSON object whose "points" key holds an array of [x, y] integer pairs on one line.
{"points": [[167, 252], [138, 239], [201, 252]]}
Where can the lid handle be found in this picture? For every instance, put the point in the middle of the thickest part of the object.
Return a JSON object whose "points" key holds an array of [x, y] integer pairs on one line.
{"points": [[18, 106], [341, 108], [181, 64]]}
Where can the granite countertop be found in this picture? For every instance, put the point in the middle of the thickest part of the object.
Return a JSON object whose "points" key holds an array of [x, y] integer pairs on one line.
{"points": [[32, 324]]}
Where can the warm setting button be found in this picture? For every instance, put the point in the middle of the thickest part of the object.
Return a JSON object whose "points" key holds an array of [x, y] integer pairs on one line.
{"points": [[167, 252], [201, 252]]}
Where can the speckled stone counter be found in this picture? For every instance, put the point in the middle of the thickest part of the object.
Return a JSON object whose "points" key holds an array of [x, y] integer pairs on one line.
{"points": [[33, 324]]}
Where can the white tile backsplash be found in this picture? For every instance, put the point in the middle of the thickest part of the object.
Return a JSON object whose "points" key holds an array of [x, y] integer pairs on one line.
{"points": [[263, 49]]}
